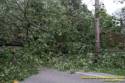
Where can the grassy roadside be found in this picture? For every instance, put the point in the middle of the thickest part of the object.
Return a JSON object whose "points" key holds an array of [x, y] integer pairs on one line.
{"points": [[114, 71]]}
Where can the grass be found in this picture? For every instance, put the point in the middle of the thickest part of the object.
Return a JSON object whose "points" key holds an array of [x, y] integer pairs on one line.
{"points": [[114, 71]]}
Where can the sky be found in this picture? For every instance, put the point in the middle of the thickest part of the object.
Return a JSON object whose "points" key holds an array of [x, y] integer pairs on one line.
{"points": [[110, 5]]}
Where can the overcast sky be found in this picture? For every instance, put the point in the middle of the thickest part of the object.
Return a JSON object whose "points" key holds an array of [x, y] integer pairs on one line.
{"points": [[111, 7]]}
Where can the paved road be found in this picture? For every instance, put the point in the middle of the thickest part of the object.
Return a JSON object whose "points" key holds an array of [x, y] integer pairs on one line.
{"points": [[53, 76]]}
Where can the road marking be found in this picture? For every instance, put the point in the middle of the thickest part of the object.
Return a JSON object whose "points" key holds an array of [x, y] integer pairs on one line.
{"points": [[105, 77]]}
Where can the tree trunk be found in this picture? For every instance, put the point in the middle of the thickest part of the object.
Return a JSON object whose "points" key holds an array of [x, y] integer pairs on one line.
{"points": [[97, 26]]}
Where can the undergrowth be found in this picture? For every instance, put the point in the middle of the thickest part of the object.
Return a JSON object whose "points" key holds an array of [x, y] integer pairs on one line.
{"points": [[26, 62]]}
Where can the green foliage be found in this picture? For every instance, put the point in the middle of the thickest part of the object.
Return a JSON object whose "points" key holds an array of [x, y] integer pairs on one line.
{"points": [[57, 33], [115, 60], [18, 66]]}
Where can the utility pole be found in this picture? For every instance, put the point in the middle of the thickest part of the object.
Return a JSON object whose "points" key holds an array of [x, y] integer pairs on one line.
{"points": [[97, 28]]}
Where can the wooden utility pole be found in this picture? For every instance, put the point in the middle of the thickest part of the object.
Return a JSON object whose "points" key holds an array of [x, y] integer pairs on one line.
{"points": [[97, 27]]}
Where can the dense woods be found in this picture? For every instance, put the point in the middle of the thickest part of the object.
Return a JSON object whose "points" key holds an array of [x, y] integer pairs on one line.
{"points": [[59, 34]]}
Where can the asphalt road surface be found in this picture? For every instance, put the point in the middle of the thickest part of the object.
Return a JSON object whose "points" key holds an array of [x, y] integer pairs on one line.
{"points": [[54, 76]]}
